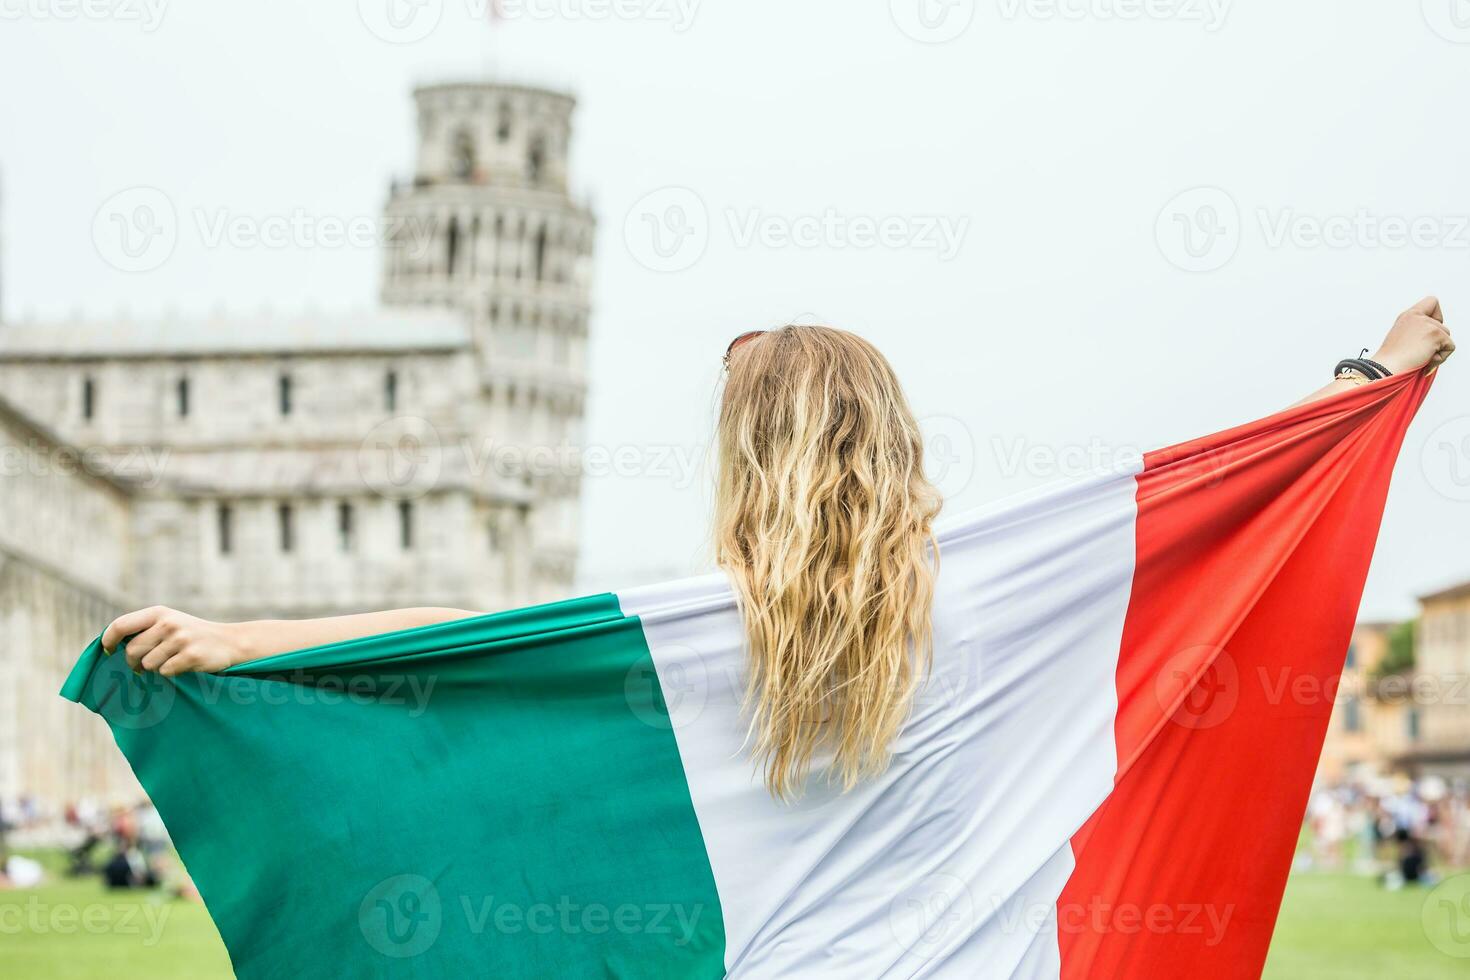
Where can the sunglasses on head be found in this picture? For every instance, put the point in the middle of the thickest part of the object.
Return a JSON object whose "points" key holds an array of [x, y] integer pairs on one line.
{"points": [[748, 335]]}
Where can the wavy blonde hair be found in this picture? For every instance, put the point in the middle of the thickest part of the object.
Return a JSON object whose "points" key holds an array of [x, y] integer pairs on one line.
{"points": [[823, 521]]}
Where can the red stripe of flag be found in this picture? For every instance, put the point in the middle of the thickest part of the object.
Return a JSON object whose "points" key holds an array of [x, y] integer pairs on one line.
{"points": [[1223, 702]]}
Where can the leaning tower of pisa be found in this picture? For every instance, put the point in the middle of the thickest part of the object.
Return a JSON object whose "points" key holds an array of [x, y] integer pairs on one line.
{"points": [[487, 227]]}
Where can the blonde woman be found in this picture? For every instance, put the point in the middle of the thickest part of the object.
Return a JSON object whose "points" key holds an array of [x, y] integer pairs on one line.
{"points": [[823, 523]]}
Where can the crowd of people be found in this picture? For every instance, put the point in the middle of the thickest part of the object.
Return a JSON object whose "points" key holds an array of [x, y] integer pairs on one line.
{"points": [[125, 846], [1406, 832]]}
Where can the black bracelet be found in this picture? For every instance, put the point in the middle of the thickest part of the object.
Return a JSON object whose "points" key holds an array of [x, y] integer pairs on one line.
{"points": [[1363, 356], [1365, 368], [1379, 368]]}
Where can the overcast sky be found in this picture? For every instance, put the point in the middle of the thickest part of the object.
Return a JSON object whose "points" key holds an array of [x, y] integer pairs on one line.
{"points": [[1078, 228]]}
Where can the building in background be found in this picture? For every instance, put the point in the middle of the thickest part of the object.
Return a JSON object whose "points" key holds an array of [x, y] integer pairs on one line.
{"points": [[1365, 733], [1442, 665], [1403, 704], [251, 467]]}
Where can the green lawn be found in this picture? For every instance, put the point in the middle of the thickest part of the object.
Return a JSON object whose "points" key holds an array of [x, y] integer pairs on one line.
{"points": [[1342, 927], [74, 929], [1332, 926]]}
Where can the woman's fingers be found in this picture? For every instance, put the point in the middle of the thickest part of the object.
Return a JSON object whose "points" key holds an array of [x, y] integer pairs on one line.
{"points": [[163, 652], [1445, 350], [144, 643], [1429, 306], [127, 624]]}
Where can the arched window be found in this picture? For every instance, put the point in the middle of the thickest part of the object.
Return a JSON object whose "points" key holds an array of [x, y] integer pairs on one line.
{"points": [[345, 531], [89, 398], [284, 393], [405, 524], [390, 391], [225, 524], [502, 125], [462, 155], [451, 246], [536, 159], [539, 253], [182, 395], [284, 517]]}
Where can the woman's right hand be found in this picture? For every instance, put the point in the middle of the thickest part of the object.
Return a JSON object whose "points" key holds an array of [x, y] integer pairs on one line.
{"points": [[1418, 337], [171, 642]]}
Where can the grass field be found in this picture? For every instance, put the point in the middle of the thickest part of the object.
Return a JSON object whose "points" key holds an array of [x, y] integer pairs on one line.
{"points": [[1332, 927]]}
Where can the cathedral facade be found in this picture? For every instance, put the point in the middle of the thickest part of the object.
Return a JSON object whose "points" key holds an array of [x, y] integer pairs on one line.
{"points": [[243, 468]]}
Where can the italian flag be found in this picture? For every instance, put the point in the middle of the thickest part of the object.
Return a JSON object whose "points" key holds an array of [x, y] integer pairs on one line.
{"points": [[1103, 777]]}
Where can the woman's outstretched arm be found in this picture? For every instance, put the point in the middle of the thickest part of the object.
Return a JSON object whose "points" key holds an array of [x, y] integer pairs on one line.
{"points": [[172, 642], [1418, 337]]}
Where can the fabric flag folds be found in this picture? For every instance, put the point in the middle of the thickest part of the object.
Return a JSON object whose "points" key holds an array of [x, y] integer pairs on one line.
{"points": [[1104, 775]]}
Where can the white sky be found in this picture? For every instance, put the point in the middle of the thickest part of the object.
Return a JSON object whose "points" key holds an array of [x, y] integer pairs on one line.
{"points": [[1051, 137]]}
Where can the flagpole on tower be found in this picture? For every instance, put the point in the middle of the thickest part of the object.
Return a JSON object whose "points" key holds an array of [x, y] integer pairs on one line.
{"points": [[490, 38]]}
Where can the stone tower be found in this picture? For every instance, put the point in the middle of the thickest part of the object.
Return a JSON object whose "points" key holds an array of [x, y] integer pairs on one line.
{"points": [[487, 227]]}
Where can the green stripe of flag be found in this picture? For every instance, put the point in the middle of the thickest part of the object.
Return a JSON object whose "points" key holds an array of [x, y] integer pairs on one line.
{"points": [[500, 796]]}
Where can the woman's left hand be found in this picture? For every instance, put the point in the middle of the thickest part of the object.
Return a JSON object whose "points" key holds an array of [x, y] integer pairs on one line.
{"points": [[1418, 337]]}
